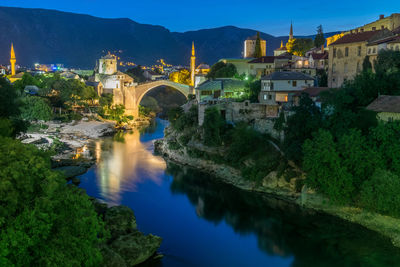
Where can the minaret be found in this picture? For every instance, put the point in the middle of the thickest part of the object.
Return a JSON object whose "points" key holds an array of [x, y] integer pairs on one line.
{"points": [[13, 60], [192, 65], [291, 31], [281, 44]]}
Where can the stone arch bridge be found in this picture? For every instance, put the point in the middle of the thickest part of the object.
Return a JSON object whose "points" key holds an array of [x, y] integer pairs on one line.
{"points": [[131, 96]]}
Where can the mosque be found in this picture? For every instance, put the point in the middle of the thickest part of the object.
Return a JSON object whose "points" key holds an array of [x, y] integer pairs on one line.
{"points": [[284, 48]]}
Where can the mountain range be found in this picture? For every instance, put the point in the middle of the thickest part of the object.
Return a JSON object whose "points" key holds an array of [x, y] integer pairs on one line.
{"points": [[77, 40]]}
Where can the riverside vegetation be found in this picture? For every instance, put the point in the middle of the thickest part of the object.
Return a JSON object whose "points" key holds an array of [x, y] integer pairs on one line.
{"points": [[46, 221], [340, 150]]}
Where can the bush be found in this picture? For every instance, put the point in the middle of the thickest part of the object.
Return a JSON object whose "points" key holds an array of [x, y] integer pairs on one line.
{"points": [[44, 222], [380, 193], [212, 127]]}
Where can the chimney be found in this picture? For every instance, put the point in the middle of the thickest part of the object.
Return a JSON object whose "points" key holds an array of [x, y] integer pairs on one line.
{"points": [[381, 16]]}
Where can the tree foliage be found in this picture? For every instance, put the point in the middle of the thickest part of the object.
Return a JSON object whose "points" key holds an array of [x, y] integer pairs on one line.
{"points": [[222, 70], [319, 38], [258, 49], [44, 222], [212, 127], [35, 108], [300, 46]]}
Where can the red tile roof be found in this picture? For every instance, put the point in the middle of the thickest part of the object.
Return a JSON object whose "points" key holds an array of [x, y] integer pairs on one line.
{"points": [[318, 56], [312, 91], [356, 37], [385, 103], [267, 59]]}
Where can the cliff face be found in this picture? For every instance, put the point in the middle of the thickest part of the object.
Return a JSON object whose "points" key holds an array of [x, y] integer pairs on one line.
{"points": [[48, 36]]}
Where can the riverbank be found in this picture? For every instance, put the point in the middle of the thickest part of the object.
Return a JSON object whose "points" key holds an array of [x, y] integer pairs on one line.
{"points": [[69, 145], [278, 187]]}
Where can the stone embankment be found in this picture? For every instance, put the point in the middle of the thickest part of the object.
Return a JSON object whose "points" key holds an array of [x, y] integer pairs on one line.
{"points": [[279, 187]]}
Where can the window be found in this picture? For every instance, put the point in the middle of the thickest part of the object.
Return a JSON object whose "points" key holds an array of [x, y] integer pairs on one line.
{"points": [[346, 52], [265, 97], [294, 83], [374, 50], [269, 97], [358, 66], [374, 28], [345, 67], [272, 85], [369, 50], [359, 51], [334, 52], [288, 81], [382, 27], [333, 67]]}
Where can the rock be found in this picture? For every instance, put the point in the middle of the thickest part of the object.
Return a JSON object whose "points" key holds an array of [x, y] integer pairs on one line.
{"points": [[271, 180], [136, 247], [100, 207], [71, 171], [76, 181], [120, 220], [111, 258]]}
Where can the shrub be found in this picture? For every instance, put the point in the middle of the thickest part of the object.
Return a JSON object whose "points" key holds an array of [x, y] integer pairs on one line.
{"points": [[43, 221], [380, 193]]}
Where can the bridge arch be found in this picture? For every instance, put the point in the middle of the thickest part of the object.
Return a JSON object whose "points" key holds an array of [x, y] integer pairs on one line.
{"points": [[142, 89]]}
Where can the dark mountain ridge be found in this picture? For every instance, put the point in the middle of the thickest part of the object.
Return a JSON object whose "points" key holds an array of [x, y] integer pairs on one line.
{"points": [[77, 40]]}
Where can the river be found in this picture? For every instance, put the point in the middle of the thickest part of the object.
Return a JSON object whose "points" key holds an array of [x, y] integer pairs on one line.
{"points": [[206, 223]]}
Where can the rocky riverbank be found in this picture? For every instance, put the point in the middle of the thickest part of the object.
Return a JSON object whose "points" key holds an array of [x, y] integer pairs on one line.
{"points": [[126, 245], [279, 187]]}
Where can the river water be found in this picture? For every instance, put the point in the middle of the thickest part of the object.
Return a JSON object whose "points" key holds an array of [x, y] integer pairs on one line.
{"points": [[206, 223]]}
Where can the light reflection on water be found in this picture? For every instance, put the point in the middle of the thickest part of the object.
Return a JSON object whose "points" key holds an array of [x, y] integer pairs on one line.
{"points": [[207, 223], [120, 165]]}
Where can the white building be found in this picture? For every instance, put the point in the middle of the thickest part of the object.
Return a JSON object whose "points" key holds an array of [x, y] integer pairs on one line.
{"points": [[278, 88]]}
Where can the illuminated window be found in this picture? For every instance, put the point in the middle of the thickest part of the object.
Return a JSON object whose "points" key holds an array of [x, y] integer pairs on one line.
{"points": [[294, 83], [286, 98]]}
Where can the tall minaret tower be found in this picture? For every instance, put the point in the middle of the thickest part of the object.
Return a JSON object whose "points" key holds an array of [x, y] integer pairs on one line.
{"points": [[291, 31], [13, 60], [192, 65]]}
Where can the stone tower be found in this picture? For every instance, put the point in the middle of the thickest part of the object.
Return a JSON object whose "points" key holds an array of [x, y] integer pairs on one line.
{"points": [[13, 60], [192, 66], [107, 65]]}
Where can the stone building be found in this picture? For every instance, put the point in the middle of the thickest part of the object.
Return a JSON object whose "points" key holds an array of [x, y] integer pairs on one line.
{"points": [[250, 47], [389, 43], [391, 23], [346, 55], [279, 88], [219, 88], [107, 65]]}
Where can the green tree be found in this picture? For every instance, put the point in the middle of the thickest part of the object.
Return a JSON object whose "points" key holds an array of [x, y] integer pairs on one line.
{"points": [[279, 124], [222, 70], [253, 89], [35, 108], [325, 172], [212, 127], [258, 49], [380, 193], [307, 118], [367, 66], [299, 47], [319, 38], [44, 222], [322, 78]]}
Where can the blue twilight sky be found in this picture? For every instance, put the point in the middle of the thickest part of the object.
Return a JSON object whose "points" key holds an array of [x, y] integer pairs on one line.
{"points": [[271, 17]]}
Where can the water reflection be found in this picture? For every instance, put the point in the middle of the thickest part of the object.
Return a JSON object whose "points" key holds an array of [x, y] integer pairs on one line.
{"points": [[283, 229], [121, 163]]}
